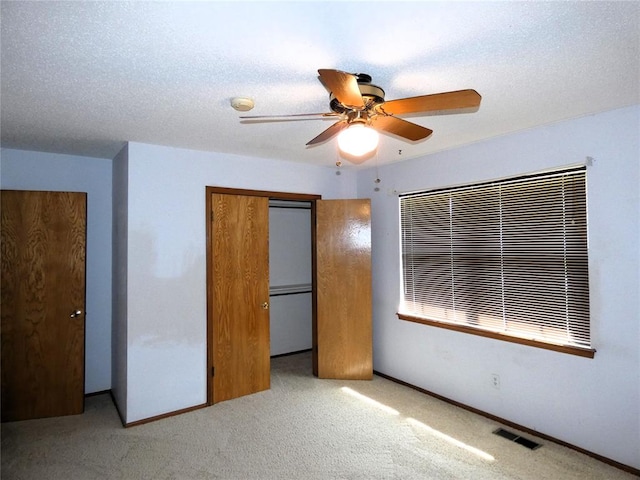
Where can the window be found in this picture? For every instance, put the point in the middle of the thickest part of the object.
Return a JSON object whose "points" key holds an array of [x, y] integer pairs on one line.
{"points": [[505, 259]]}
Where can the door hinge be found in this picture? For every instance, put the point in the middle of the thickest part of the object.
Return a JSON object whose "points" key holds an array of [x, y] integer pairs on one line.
{"points": [[213, 371]]}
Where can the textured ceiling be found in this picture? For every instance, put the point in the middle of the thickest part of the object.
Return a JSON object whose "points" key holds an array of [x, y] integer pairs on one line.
{"points": [[84, 77]]}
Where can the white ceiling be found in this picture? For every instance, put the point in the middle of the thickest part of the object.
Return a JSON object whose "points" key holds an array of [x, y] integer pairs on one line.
{"points": [[84, 77]]}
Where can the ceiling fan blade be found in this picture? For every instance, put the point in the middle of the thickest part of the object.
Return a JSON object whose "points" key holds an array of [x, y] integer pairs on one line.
{"points": [[400, 127], [329, 132], [343, 86], [429, 103], [284, 118]]}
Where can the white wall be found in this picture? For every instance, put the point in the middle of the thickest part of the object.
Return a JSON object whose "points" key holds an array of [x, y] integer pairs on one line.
{"points": [[25, 170], [119, 289], [591, 403], [166, 255]]}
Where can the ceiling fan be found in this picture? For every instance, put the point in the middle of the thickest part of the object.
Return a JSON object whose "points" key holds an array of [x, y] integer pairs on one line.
{"points": [[360, 107]]}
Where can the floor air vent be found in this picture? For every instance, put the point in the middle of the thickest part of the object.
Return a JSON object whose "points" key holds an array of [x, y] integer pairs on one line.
{"points": [[530, 444]]}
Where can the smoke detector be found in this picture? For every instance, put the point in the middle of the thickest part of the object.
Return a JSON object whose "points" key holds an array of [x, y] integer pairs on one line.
{"points": [[242, 104]]}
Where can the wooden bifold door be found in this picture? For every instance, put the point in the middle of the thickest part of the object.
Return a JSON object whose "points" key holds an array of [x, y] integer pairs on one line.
{"points": [[238, 290], [43, 302], [343, 327]]}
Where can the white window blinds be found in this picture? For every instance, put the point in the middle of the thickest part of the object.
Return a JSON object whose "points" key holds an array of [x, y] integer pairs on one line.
{"points": [[508, 257]]}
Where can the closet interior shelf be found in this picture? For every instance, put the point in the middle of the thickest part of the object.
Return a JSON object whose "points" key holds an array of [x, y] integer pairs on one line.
{"points": [[278, 290]]}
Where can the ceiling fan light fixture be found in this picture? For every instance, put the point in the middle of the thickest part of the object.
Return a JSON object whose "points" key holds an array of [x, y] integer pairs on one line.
{"points": [[358, 140]]}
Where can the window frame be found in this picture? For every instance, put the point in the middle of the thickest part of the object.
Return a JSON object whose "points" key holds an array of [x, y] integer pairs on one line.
{"points": [[582, 351]]}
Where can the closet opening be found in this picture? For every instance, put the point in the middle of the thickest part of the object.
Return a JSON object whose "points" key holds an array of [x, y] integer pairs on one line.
{"points": [[290, 277]]}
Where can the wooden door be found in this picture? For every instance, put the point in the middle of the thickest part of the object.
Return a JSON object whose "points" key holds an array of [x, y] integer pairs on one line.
{"points": [[343, 329], [240, 295], [42, 303]]}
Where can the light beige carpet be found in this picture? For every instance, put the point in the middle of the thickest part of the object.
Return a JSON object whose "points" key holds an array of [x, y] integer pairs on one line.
{"points": [[302, 428]]}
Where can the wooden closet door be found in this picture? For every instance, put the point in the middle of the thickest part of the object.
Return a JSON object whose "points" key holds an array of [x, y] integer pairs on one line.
{"points": [[42, 303], [343, 330], [240, 294]]}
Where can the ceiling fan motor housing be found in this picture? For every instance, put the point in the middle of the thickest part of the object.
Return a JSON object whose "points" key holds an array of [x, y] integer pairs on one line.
{"points": [[371, 94]]}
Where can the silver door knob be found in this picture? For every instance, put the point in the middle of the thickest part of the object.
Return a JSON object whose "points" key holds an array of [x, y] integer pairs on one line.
{"points": [[75, 314]]}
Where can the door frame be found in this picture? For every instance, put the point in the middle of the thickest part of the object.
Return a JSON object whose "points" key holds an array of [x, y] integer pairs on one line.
{"points": [[302, 197]]}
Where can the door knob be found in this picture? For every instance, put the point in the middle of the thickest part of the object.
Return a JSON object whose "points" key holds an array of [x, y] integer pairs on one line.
{"points": [[265, 306], [75, 314]]}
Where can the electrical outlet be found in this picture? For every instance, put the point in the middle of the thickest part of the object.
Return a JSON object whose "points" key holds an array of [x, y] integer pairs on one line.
{"points": [[495, 381]]}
